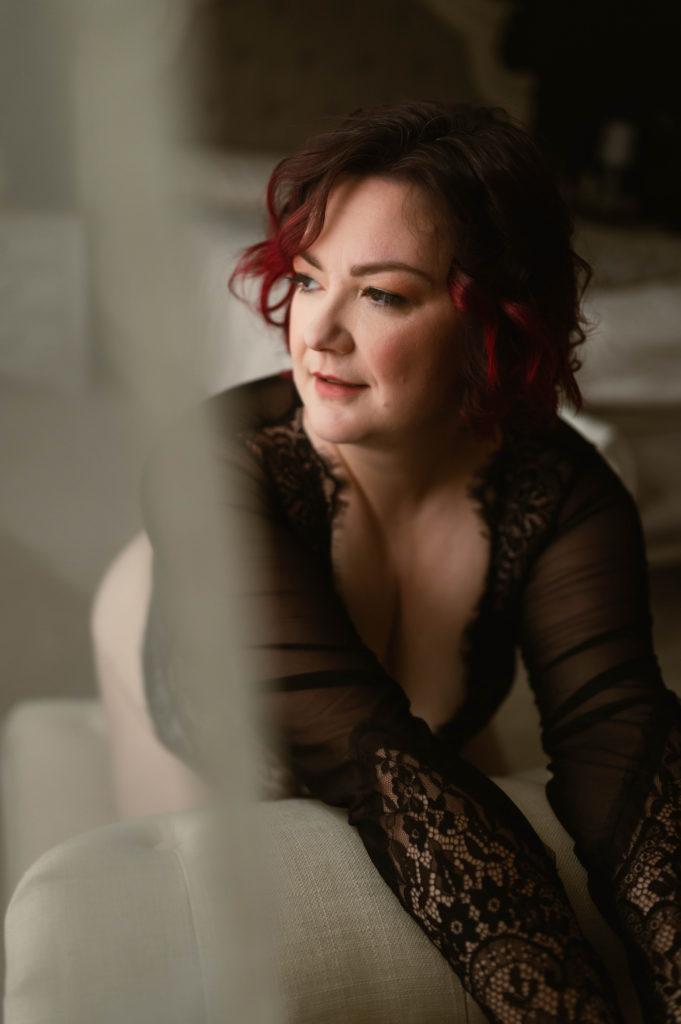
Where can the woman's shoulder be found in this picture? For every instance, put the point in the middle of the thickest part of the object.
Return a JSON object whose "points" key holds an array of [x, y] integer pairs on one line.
{"points": [[220, 422], [537, 486], [214, 434], [585, 454], [558, 458], [260, 429], [253, 405]]}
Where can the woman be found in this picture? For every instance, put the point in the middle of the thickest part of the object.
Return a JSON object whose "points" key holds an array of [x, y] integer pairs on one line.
{"points": [[412, 511]]}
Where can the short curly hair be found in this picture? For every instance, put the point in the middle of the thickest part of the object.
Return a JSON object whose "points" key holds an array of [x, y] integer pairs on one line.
{"points": [[514, 267]]}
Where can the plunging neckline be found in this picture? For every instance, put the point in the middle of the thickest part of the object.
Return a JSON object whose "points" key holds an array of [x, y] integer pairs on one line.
{"points": [[482, 491], [516, 494]]}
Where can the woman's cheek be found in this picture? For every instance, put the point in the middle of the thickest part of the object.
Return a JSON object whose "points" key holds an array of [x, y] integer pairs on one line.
{"points": [[397, 370]]}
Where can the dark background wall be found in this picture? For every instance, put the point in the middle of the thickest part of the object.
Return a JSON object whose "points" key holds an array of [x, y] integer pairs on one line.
{"points": [[267, 73], [596, 63], [606, 92]]}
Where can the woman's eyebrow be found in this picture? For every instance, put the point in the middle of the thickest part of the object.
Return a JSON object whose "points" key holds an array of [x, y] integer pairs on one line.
{"points": [[360, 269]]}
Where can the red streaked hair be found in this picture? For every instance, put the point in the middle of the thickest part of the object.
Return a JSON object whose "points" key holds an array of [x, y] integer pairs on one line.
{"points": [[514, 270]]}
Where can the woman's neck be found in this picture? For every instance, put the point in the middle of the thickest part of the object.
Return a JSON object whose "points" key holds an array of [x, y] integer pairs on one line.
{"points": [[398, 481]]}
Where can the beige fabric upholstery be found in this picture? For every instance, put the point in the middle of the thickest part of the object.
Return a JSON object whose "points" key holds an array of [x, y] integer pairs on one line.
{"points": [[100, 930], [125, 924]]}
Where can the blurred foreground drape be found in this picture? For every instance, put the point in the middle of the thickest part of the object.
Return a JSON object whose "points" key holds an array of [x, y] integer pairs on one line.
{"points": [[127, 100]]}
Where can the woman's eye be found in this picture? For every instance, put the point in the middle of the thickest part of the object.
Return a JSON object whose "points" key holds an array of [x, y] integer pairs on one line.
{"points": [[381, 298], [303, 282]]}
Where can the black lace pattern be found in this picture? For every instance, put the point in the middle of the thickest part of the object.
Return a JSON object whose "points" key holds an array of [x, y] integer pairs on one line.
{"points": [[307, 490], [469, 870], [518, 495], [647, 890]]}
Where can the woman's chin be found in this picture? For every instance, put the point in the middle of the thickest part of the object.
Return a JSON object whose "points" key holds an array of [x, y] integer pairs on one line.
{"points": [[329, 426]]}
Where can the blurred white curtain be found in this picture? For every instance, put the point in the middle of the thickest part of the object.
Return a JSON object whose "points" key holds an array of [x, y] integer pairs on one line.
{"points": [[128, 106]]}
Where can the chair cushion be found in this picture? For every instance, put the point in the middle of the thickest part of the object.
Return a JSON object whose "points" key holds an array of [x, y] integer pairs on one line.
{"points": [[136, 922]]}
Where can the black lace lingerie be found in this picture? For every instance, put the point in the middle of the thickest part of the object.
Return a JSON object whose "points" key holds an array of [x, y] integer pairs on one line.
{"points": [[567, 586]]}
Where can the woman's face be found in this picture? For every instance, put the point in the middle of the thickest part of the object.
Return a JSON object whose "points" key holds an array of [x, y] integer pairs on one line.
{"points": [[374, 336]]}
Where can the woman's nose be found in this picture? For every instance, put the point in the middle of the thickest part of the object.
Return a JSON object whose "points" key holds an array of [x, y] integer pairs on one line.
{"points": [[327, 329]]}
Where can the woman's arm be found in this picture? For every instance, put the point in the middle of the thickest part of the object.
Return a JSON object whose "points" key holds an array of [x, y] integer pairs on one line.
{"points": [[459, 855], [612, 731]]}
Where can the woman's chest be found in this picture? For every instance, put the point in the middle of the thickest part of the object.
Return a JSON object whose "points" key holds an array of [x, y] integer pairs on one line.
{"points": [[412, 594]]}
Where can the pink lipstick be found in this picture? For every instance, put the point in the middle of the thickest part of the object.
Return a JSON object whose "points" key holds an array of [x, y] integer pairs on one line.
{"points": [[329, 386]]}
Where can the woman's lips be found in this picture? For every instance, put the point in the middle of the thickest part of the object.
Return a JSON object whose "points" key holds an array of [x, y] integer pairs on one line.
{"points": [[334, 387]]}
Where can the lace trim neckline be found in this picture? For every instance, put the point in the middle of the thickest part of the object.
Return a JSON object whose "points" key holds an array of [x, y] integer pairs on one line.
{"points": [[483, 491]]}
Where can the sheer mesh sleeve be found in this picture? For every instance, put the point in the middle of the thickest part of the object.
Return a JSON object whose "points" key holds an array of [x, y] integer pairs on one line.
{"points": [[455, 850], [611, 729]]}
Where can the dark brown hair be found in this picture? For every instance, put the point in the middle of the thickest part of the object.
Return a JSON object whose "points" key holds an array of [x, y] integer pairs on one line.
{"points": [[514, 268]]}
